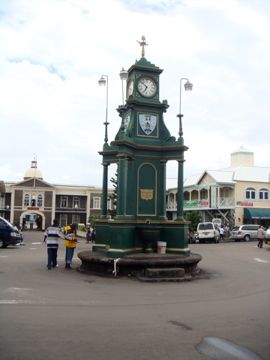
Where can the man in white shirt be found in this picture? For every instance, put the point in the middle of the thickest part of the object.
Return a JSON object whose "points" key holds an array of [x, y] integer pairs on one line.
{"points": [[51, 236]]}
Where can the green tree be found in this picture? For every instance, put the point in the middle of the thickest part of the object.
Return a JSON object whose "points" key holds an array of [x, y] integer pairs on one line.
{"points": [[92, 220], [194, 218]]}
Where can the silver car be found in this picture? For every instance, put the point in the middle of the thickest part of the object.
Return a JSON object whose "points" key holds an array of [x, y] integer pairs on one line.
{"points": [[244, 232]]}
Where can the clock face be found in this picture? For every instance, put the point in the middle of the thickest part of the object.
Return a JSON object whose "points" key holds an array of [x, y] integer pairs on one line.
{"points": [[130, 88], [147, 87], [126, 121], [148, 123]]}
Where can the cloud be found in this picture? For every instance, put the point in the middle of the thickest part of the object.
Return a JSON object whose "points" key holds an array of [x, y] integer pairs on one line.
{"points": [[53, 53]]}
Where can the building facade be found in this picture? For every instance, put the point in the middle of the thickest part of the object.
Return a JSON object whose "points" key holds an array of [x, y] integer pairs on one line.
{"points": [[34, 203], [237, 195]]}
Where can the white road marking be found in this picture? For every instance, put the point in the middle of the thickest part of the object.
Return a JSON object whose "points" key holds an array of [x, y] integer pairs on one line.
{"points": [[33, 249], [15, 302], [16, 289], [261, 260], [3, 256], [36, 243]]}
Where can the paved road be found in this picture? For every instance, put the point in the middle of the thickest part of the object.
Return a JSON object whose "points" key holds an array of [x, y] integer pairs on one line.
{"points": [[62, 314]]}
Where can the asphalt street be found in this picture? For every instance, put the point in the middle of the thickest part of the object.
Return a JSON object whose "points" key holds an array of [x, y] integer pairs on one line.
{"points": [[64, 314]]}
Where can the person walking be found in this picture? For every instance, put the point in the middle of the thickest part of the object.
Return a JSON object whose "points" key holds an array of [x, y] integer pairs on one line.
{"points": [[260, 236], [70, 244], [51, 237], [221, 232], [93, 235], [88, 235]]}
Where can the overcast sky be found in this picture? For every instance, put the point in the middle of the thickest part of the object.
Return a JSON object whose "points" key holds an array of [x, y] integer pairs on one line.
{"points": [[53, 53]]}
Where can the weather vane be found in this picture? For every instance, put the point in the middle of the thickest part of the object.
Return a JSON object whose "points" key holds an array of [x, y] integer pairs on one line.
{"points": [[142, 44]]}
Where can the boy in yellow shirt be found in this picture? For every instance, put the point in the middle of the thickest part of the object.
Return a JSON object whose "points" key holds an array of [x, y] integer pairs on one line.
{"points": [[70, 244]]}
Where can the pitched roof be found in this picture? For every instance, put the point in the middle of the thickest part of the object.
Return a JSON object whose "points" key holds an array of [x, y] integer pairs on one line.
{"points": [[232, 174], [252, 173], [222, 176]]}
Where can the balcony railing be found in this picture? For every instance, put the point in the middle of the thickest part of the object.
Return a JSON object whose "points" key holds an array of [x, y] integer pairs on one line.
{"points": [[199, 204]]}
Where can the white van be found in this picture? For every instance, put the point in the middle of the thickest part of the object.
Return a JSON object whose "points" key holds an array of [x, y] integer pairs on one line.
{"points": [[207, 231]]}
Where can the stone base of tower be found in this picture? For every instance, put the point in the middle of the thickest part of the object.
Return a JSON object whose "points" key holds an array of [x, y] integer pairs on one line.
{"points": [[149, 250], [146, 267], [119, 238]]}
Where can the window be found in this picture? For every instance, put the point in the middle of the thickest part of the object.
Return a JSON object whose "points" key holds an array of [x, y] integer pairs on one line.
{"points": [[206, 226], [225, 193], [204, 194], [75, 218], [33, 200], [39, 200], [63, 220], [250, 227], [263, 194], [26, 201], [76, 202], [96, 203], [250, 193], [63, 201]]}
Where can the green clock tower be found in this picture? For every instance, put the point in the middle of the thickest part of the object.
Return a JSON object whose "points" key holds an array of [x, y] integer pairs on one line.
{"points": [[141, 149]]}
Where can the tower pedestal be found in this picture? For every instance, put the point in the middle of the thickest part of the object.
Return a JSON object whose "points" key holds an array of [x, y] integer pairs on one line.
{"points": [[118, 238], [145, 267]]}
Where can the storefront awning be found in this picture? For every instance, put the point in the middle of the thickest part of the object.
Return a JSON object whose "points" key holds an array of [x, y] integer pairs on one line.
{"points": [[250, 213]]}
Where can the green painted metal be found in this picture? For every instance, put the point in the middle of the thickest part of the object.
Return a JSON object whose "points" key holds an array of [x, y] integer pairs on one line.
{"points": [[141, 148]]}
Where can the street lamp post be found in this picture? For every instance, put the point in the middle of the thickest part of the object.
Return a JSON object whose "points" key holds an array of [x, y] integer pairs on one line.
{"points": [[104, 81], [180, 186], [188, 87], [123, 76]]}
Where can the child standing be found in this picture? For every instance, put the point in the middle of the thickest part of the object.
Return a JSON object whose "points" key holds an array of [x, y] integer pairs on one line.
{"points": [[70, 244]]}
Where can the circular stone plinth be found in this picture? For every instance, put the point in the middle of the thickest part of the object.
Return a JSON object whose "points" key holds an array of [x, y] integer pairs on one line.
{"points": [[137, 264]]}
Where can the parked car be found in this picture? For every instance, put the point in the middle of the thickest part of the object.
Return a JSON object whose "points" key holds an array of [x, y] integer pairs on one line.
{"points": [[9, 234], [244, 232], [267, 236], [207, 231]]}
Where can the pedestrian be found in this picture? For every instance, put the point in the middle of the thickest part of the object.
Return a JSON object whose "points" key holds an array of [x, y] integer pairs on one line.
{"points": [[227, 230], [260, 236], [221, 232], [23, 224], [70, 244], [88, 235], [190, 236], [51, 237], [93, 235]]}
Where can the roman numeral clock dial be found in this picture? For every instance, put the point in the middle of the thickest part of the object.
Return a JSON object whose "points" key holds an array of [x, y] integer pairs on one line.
{"points": [[147, 87]]}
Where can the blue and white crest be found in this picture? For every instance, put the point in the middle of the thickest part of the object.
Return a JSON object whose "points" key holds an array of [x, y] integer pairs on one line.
{"points": [[148, 123]]}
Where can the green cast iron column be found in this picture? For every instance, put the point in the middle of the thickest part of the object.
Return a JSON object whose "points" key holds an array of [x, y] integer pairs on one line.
{"points": [[162, 213], [180, 190], [104, 190], [121, 186]]}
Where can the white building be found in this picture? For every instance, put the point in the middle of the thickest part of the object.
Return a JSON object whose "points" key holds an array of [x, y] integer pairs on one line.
{"points": [[237, 194]]}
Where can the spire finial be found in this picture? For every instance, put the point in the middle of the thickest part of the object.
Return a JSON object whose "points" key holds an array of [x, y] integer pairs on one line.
{"points": [[34, 161], [142, 44]]}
